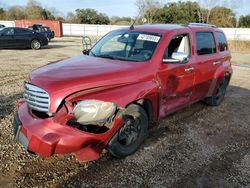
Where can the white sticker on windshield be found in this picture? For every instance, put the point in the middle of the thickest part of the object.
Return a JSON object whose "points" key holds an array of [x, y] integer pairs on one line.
{"points": [[151, 38]]}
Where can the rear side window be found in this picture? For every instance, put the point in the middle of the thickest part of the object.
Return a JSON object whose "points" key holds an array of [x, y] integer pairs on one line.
{"points": [[22, 31], [222, 41], [205, 43]]}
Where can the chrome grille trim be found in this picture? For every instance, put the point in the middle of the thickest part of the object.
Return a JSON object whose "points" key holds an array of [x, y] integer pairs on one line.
{"points": [[36, 98]]}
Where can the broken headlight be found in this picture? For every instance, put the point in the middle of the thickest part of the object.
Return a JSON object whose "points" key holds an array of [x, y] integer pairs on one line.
{"points": [[93, 111]]}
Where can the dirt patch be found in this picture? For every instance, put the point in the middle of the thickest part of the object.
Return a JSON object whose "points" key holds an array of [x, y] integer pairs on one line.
{"points": [[241, 59], [199, 146]]}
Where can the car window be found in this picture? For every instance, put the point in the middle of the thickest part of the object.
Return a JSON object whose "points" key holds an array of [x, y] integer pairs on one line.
{"points": [[127, 45], [46, 29], [9, 32], [180, 43], [222, 41], [41, 29], [22, 31], [205, 43], [113, 45]]}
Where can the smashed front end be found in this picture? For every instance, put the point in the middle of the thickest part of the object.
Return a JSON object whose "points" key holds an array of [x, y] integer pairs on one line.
{"points": [[83, 127]]}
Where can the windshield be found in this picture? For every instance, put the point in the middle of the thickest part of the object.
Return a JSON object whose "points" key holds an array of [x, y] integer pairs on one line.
{"points": [[127, 45]]}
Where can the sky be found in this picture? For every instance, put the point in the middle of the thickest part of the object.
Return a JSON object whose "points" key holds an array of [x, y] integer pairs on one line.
{"points": [[111, 7]]}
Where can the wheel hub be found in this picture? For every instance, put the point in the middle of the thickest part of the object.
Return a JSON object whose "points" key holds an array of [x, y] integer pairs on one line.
{"points": [[129, 132]]}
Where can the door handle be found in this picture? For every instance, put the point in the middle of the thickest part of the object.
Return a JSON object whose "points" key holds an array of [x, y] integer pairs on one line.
{"points": [[189, 69], [216, 63]]}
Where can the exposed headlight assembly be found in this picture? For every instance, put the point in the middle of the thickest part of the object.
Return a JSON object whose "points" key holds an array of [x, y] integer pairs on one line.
{"points": [[93, 111]]}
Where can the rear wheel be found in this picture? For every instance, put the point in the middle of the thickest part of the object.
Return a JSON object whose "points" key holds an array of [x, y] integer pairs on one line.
{"points": [[218, 97], [35, 44], [132, 133]]}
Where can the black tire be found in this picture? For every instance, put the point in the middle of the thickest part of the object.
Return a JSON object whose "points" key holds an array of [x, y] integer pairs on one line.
{"points": [[35, 44], [132, 134], [219, 95]]}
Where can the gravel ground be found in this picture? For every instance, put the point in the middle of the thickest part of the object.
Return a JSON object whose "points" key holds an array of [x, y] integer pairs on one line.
{"points": [[199, 146]]}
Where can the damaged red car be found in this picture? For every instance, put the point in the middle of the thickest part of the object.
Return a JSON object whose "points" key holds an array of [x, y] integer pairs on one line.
{"points": [[108, 97]]}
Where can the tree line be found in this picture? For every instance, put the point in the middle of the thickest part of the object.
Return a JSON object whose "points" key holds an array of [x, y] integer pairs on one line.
{"points": [[32, 10], [200, 11], [149, 11]]}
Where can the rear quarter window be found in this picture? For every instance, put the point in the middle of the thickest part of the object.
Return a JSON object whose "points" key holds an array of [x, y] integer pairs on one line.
{"points": [[22, 31], [205, 43], [222, 41]]}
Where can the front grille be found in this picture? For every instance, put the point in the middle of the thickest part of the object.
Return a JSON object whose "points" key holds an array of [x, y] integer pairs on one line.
{"points": [[37, 98]]}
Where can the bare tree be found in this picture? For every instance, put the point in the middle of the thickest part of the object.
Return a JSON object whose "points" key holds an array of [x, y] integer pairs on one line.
{"points": [[16, 13], [34, 9], [205, 9], [148, 8], [236, 6]]}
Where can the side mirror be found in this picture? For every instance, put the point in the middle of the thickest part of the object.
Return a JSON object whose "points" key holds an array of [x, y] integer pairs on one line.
{"points": [[177, 57], [86, 52]]}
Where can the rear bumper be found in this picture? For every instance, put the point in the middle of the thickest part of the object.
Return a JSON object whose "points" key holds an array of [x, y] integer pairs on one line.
{"points": [[47, 137]]}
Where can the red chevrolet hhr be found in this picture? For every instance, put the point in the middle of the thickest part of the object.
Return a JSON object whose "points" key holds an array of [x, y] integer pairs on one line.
{"points": [[108, 97]]}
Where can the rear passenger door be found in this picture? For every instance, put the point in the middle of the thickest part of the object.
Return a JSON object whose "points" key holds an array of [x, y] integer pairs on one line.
{"points": [[207, 61], [22, 37]]}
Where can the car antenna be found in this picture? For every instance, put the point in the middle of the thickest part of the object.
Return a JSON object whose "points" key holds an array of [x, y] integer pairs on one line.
{"points": [[132, 26]]}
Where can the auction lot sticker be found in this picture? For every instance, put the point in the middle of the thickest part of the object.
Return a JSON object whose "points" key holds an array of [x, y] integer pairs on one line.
{"points": [[151, 38]]}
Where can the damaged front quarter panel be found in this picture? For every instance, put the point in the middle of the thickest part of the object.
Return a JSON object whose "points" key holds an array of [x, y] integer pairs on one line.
{"points": [[104, 131], [98, 135]]}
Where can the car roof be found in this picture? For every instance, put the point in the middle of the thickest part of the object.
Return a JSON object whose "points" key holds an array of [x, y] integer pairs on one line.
{"points": [[20, 28], [163, 28], [17, 28], [158, 28]]}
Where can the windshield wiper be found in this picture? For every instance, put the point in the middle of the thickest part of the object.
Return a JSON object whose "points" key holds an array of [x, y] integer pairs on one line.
{"points": [[125, 59], [114, 57], [107, 56]]}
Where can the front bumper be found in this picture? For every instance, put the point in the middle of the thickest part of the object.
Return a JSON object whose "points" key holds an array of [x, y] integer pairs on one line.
{"points": [[47, 137], [19, 136]]}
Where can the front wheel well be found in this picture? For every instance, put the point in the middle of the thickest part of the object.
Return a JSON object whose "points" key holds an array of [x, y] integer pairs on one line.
{"points": [[146, 104]]}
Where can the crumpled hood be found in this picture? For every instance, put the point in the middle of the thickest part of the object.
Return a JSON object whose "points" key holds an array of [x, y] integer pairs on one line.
{"points": [[60, 79]]}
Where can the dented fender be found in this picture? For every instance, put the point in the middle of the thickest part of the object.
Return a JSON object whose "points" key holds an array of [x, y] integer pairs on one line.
{"points": [[121, 95]]}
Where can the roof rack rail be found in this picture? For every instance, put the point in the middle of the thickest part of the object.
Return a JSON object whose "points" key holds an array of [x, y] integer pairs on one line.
{"points": [[202, 24]]}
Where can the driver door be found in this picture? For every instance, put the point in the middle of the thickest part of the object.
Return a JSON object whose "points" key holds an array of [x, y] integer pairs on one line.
{"points": [[177, 78], [7, 38]]}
